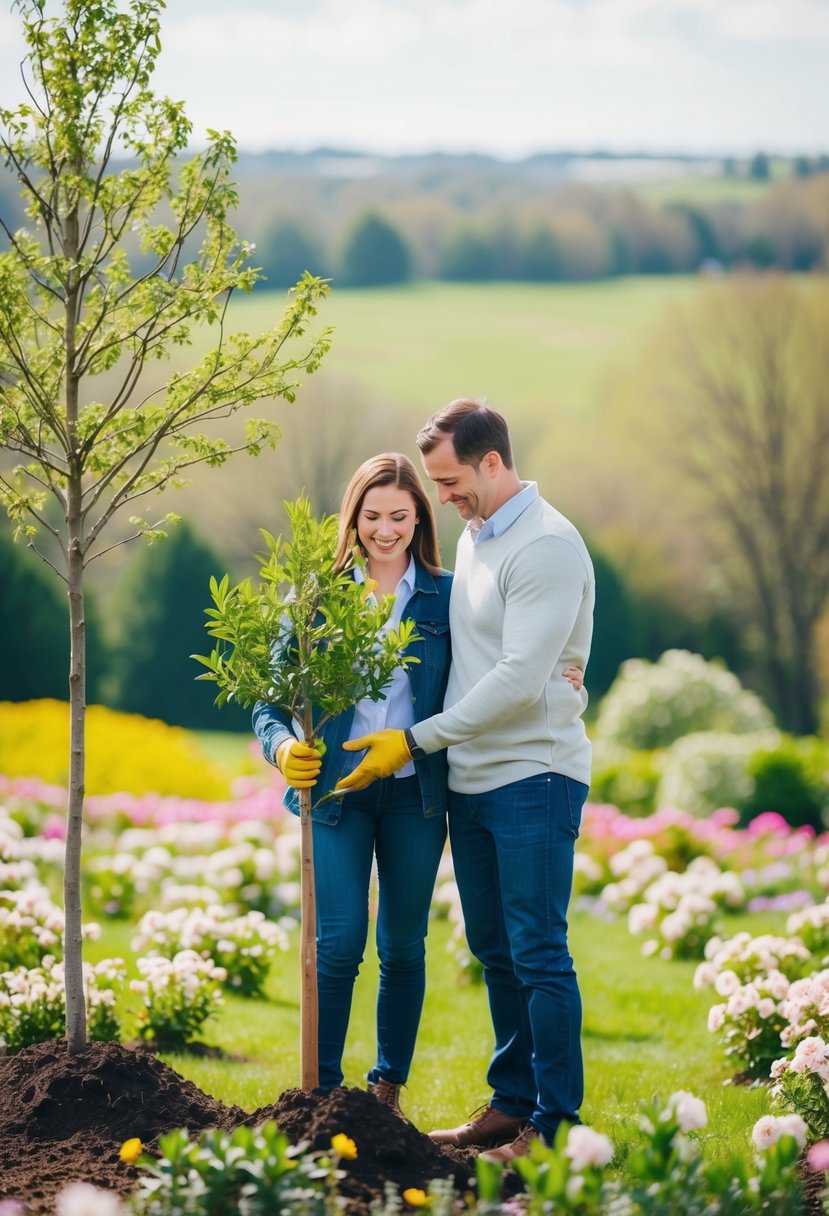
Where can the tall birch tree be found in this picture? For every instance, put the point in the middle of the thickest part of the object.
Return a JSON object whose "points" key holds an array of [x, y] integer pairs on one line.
{"points": [[126, 253]]}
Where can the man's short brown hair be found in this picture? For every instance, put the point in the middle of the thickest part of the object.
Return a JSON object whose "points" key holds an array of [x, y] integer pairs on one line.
{"points": [[474, 429]]}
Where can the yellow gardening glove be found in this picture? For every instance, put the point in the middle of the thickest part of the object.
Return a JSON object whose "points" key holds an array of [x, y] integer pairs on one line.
{"points": [[299, 763], [387, 752]]}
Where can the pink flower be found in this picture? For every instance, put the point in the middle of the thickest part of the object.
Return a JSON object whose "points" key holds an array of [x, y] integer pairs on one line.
{"points": [[818, 1156]]}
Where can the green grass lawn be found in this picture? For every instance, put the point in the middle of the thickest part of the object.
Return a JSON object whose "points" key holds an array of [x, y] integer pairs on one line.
{"points": [[644, 1034], [533, 347]]}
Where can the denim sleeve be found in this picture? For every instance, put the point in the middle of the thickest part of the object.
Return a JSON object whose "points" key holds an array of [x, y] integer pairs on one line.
{"points": [[271, 726]]}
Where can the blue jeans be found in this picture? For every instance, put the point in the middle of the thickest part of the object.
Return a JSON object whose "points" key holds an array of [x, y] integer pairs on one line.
{"points": [[512, 850], [385, 820]]}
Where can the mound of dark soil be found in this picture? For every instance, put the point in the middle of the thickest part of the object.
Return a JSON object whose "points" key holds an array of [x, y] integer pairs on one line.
{"points": [[63, 1118], [388, 1148]]}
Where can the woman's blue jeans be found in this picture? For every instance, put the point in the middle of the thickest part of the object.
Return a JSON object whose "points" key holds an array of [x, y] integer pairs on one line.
{"points": [[387, 821], [512, 850]]}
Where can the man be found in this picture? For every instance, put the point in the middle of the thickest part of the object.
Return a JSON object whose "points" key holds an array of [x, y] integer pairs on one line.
{"points": [[521, 612]]}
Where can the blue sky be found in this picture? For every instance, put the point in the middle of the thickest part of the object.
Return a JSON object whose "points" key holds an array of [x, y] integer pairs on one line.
{"points": [[509, 78]]}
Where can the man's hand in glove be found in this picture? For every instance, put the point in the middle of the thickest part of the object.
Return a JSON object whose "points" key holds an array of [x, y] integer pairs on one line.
{"points": [[299, 763], [387, 751]]}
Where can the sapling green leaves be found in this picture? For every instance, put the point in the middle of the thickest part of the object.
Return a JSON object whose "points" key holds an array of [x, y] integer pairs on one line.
{"points": [[307, 638]]}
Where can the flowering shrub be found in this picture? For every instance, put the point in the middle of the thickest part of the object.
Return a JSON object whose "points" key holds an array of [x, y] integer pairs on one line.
{"points": [[179, 995], [114, 884], [750, 958], [681, 909], [653, 704], [242, 946], [570, 1176], [663, 1172], [634, 869], [811, 926], [34, 741], [754, 975], [806, 1008], [33, 1006], [31, 927], [801, 1081], [706, 770]]}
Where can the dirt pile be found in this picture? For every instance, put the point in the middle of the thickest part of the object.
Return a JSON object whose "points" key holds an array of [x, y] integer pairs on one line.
{"points": [[63, 1118], [388, 1148]]}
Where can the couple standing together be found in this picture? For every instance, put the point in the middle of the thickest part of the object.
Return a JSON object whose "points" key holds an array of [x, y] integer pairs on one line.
{"points": [[487, 728]]}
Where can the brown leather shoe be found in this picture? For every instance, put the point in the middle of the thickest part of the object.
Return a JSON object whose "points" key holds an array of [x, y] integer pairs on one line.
{"points": [[520, 1147], [487, 1127], [388, 1093]]}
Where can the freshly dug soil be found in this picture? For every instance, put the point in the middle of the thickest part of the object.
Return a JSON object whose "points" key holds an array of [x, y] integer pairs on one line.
{"points": [[388, 1148], [63, 1118]]}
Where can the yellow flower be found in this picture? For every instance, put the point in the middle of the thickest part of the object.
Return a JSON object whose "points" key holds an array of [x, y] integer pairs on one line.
{"points": [[344, 1146], [131, 1150], [369, 587], [415, 1197]]}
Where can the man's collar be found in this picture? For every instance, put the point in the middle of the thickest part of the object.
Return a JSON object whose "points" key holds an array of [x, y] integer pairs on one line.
{"points": [[506, 514]]}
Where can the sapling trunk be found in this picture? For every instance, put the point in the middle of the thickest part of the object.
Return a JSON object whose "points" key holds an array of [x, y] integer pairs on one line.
{"points": [[309, 1000]]}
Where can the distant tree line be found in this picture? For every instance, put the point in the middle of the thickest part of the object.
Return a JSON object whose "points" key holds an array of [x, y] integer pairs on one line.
{"points": [[575, 233]]}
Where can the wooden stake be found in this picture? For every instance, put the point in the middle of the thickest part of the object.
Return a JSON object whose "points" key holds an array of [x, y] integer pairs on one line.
{"points": [[309, 1001]]}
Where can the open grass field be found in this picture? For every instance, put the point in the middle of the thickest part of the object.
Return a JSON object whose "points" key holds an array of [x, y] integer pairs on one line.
{"points": [[549, 355], [536, 348], [644, 1034]]}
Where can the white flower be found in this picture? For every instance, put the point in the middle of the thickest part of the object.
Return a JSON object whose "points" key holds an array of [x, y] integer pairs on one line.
{"points": [[642, 918], [793, 1125], [587, 1147], [811, 1053], [765, 1132], [705, 976], [726, 983], [689, 1111], [741, 1001], [81, 1199], [716, 1018]]}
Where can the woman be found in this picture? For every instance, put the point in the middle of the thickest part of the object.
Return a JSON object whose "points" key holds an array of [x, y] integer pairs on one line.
{"points": [[400, 820]]}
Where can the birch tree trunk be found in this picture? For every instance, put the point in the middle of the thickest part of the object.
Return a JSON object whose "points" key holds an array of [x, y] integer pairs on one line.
{"points": [[73, 935]]}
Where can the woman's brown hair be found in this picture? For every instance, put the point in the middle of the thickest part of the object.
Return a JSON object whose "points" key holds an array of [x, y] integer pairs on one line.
{"points": [[389, 469]]}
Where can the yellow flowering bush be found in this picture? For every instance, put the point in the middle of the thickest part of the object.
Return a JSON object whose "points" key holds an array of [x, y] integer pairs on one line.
{"points": [[126, 753]]}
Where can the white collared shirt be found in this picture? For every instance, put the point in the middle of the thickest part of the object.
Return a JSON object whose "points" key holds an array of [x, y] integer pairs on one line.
{"points": [[506, 514], [394, 711]]}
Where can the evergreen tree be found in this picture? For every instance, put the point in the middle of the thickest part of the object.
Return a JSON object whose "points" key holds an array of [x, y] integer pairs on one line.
{"points": [[374, 253], [539, 257], [159, 611], [614, 629], [467, 257], [285, 252], [33, 614]]}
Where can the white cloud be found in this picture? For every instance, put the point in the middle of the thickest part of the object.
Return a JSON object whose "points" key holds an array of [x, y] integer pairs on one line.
{"points": [[511, 78], [359, 32]]}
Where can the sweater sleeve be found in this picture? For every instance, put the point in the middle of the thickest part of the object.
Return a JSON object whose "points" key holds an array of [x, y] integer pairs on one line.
{"points": [[545, 587]]}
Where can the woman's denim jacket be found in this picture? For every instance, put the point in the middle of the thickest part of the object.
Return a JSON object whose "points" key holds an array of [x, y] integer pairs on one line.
{"points": [[429, 609]]}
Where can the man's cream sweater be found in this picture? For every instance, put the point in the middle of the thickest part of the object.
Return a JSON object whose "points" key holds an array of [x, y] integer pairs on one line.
{"points": [[521, 611]]}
